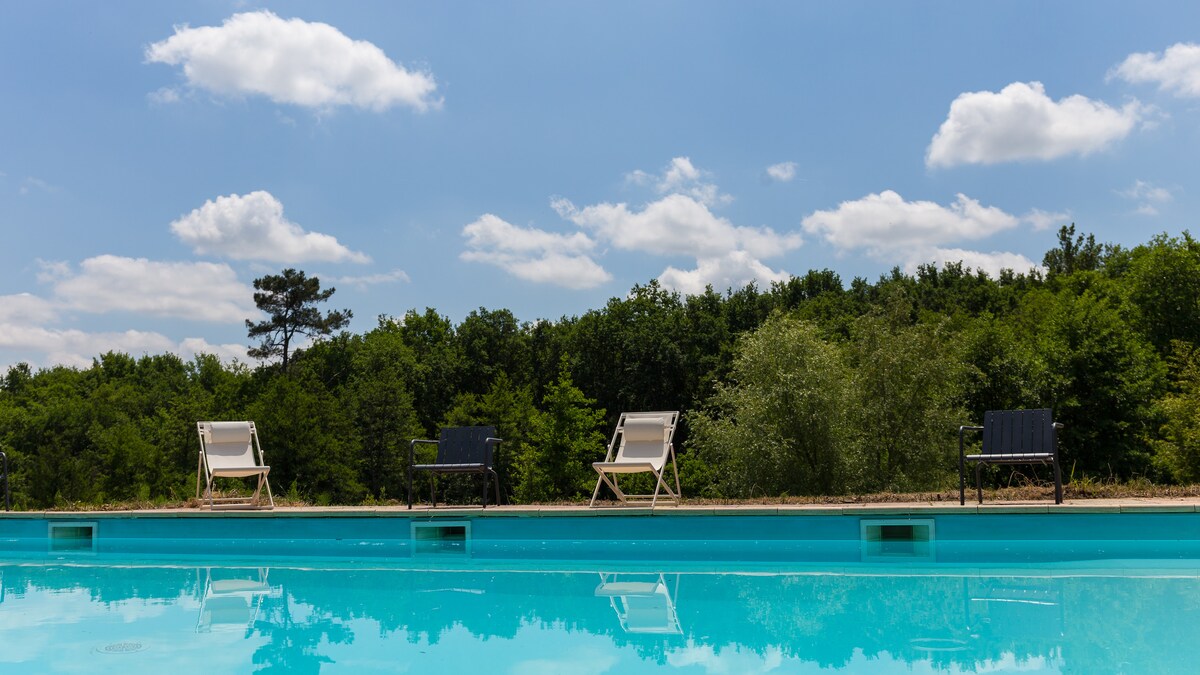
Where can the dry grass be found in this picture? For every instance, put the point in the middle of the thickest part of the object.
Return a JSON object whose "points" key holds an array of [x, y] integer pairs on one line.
{"points": [[1078, 490]]}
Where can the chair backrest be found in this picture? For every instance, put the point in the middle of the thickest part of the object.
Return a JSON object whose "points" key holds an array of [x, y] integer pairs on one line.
{"points": [[228, 444], [645, 438], [465, 445], [1018, 432]]}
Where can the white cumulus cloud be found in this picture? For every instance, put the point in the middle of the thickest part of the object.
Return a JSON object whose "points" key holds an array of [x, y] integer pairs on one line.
{"points": [[992, 263], [890, 229], [680, 223], [533, 254], [198, 291], [1020, 122], [884, 222], [733, 270], [77, 348], [782, 172], [252, 227], [291, 61], [24, 308], [677, 224], [1176, 70]]}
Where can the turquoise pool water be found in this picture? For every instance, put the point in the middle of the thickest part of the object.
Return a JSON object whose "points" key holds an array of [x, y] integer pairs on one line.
{"points": [[551, 595]]}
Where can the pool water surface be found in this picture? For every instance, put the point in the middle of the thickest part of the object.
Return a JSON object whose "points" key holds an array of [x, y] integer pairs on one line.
{"points": [[533, 606]]}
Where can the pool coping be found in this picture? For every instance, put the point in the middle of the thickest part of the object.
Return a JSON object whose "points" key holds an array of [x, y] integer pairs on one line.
{"points": [[1129, 505]]}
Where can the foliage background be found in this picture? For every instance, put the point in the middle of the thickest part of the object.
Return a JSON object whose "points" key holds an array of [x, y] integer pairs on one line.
{"points": [[812, 386]]}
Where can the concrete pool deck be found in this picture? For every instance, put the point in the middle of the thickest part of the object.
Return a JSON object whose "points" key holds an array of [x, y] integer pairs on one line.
{"points": [[1122, 505]]}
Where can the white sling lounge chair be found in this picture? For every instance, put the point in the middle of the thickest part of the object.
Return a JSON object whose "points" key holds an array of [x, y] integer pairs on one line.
{"points": [[231, 450], [644, 445]]}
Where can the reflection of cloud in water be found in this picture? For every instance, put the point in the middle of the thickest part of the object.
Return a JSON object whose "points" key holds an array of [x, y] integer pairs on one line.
{"points": [[728, 659], [36, 637], [733, 659], [584, 661]]}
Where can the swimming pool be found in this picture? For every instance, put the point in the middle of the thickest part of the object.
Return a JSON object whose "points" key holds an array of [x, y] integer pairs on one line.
{"points": [[903, 593]]}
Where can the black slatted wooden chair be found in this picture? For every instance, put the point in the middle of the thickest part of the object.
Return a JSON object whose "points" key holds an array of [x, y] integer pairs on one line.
{"points": [[1012, 437], [459, 450]]}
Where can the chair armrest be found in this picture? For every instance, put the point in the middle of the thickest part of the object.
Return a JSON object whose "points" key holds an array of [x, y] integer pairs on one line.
{"points": [[412, 448], [1058, 425], [495, 444], [961, 429]]}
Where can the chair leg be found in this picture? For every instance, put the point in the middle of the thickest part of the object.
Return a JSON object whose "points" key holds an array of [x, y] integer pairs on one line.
{"points": [[596, 492], [979, 480], [962, 481], [410, 486], [496, 482], [485, 486], [1058, 488]]}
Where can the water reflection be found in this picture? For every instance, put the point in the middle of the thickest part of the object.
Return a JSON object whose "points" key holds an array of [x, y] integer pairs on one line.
{"points": [[643, 603], [56, 617], [232, 598]]}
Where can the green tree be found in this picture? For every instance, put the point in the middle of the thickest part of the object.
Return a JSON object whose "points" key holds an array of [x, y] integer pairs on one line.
{"points": [[1177, 448], [510, 409], [439, 362], [566, 439], [906, 402], [381, 403], [779, 425], [1074, 253], [290, 299], [1163, 287], [1101, 379]]}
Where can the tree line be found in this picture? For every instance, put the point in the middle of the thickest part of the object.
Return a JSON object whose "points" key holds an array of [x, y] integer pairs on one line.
{"points": [[810, 386]]}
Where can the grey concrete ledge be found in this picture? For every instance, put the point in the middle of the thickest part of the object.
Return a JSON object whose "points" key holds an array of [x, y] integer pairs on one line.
{"points": [[608, 510]]}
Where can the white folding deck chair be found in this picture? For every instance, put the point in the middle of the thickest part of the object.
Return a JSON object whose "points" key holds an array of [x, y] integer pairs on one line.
{"points": [[231, 450], [644, 445], [643, 605]]}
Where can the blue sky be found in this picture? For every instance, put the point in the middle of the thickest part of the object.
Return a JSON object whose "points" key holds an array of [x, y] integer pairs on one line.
{"points": [[155, 158]]}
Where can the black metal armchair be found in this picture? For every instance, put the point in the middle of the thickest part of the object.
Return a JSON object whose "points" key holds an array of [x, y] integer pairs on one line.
{"points": [[1012, 437], [459, 450]]}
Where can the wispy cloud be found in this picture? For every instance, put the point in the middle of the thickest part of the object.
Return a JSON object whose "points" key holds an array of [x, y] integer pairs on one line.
{"points": [[783, 172], [368, 280], [1148, 196]]}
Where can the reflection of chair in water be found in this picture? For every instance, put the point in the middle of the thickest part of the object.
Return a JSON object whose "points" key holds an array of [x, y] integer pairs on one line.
{"points": [[1024, 608], [644, 604], [232, 602]]}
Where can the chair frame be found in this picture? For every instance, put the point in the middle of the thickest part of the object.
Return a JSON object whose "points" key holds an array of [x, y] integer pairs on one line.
{"points": [[454, 445], [1009, 438], [204, 469], [615, 464]]}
